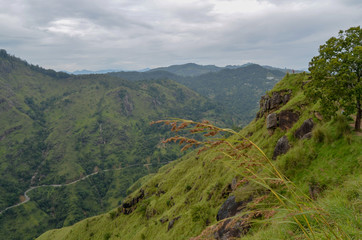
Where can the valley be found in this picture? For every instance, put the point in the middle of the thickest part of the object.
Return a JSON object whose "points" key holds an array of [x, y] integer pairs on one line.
{"points": [[57, 129]]}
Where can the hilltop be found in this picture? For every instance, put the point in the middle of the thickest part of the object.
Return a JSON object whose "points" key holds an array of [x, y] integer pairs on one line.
{"points": [[209, 196]]}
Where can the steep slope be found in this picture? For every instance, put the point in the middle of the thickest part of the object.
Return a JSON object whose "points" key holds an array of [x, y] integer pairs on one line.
{"points": [[206, 196], [57, 128]]}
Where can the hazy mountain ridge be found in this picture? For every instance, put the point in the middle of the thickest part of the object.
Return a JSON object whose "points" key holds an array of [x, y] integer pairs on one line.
{"points": [[188, 69], [181, 70]]}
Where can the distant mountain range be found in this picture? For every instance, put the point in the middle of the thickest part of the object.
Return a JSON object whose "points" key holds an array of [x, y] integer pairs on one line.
{"points": [[185, 70]]}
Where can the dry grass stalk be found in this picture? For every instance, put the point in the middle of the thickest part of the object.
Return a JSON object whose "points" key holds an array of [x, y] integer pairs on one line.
{"points": [[260, 170]]}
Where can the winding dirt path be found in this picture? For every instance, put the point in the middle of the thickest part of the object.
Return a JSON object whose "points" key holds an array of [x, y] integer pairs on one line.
{"points": [[27, 198]]}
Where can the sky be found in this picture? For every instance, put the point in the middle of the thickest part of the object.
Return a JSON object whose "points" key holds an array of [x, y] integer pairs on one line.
{"points": [[74, 35]]}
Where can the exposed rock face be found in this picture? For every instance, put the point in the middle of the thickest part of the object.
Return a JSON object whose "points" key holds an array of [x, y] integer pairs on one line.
{"points": [[129, 206], [271, 103], [172, 222], [127, 105], [282, 147], [275, 100], [163, 220], [230, 208], [286, 98], [287, 119], [307, 135], [272, 121], [231, 229], [305, 129]]}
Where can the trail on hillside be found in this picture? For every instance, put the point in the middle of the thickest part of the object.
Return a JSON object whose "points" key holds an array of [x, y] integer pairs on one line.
{"points": [[27, 198]]}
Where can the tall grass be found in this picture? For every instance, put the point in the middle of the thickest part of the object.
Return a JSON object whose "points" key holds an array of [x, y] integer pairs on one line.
{"points": [[247, 159]]}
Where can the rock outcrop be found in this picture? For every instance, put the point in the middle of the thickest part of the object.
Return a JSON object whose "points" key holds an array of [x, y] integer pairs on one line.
{"points": [[305, 130], [127, 105], [130, 205], [232, 229], [282, 147], [277, 99], [230, 208], [172, 222], [272, 121], [287, 118], [229, 228]]}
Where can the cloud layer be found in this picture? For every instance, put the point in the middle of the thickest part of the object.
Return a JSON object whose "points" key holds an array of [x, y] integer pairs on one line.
{"points": [[134, 34]]}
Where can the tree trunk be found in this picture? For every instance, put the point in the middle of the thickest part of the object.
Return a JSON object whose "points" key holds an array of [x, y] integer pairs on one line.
{"points": [[357, 125]]}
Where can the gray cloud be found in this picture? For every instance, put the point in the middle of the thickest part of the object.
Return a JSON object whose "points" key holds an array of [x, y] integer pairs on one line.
{"points": [[133, 34]]}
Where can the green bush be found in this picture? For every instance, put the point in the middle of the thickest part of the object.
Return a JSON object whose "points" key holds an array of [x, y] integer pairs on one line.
{"points": [[107, 236], [342, 127], [322, 135], [200, 213]]}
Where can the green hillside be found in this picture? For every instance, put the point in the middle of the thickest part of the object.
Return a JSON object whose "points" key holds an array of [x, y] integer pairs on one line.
{"points": [[56, 128], [232, 191], [237, 89]]}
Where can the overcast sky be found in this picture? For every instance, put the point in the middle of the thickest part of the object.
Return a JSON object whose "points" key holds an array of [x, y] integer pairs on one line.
{"points": [[134, 34]]}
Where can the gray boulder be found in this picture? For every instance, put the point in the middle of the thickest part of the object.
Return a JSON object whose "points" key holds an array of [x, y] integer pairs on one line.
{"points": [[172, 222], [305, 129], [276, 100], [287, 118], [271, 121], [282, 147], [229, 208]]}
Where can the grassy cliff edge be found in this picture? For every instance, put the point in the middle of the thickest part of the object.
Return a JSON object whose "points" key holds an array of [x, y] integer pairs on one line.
{"points": [[183, 199]]}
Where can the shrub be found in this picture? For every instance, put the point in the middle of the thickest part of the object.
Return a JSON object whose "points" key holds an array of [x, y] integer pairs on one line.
{"points": [[107, 236], [322, 134], [200, 213], [342, 127]]}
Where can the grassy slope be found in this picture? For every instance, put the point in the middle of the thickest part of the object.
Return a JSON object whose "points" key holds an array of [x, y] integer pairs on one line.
{"points": [[192, 187]]}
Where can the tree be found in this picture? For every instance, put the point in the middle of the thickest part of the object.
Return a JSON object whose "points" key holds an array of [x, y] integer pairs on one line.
{"points": [[336, 74]]}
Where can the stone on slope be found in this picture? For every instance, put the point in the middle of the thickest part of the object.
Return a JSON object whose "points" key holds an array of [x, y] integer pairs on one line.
{"points": [[305, 129], [229, 208], [287, 118], [282, 147], [271, 121]]}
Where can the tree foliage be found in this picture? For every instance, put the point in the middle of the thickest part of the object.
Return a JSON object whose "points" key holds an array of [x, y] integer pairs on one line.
{"points": [[336, 74]]}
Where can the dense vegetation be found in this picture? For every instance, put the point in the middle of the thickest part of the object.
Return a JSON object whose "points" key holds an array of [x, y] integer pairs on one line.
{"points": [[184, 198], [237, 89], [56, 128], [337, 72]]}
